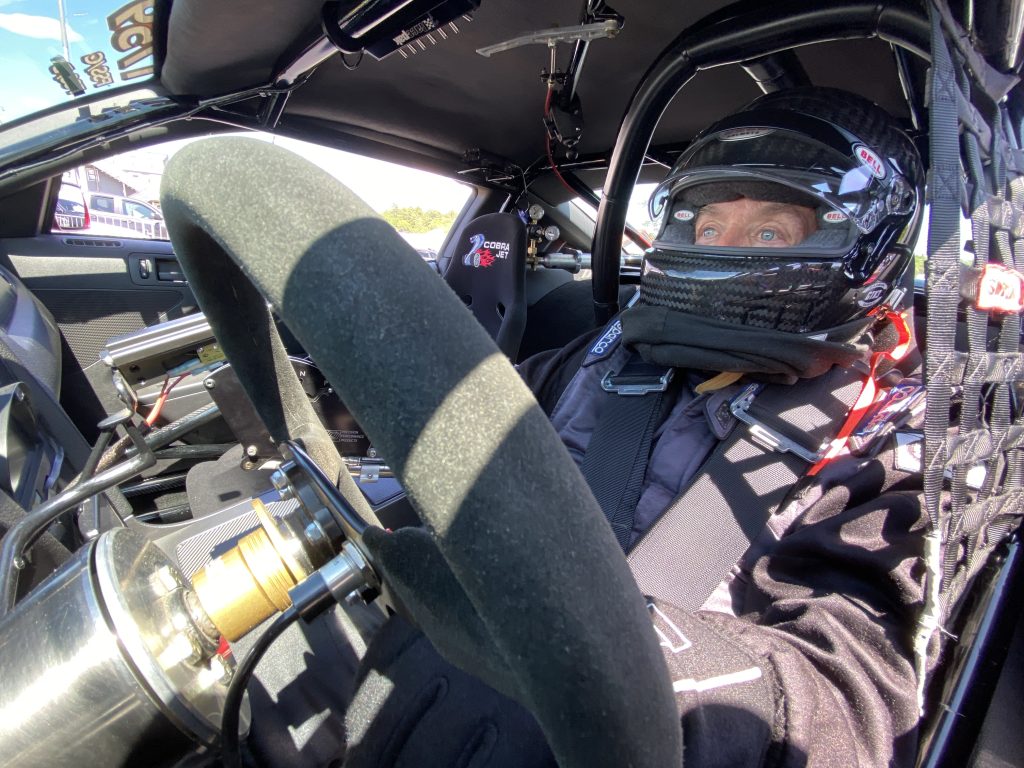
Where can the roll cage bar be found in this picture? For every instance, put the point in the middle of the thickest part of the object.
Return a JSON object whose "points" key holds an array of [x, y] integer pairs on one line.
{"points": [[735, 35]]}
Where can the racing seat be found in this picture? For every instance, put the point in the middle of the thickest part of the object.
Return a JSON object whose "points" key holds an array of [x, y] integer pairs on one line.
{"points": [[488, 272]]}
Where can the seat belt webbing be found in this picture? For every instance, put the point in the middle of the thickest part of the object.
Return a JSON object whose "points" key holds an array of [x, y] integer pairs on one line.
{"points": [[617, 454], [705, 531]]}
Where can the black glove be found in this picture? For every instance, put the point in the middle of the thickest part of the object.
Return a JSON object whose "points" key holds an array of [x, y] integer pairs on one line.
{"points": [[412, 709]]}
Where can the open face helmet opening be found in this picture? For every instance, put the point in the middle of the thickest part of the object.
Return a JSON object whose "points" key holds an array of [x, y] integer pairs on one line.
{"points": [[838, 157]]}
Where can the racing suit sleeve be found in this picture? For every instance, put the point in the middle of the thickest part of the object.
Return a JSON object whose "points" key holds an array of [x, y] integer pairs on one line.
{"points": [[815, 666]]}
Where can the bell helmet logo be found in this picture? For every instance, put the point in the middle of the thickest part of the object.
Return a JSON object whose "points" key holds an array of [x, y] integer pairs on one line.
{"points": [[870, 295], [482, 253], [683, 215], [870, 160], [833, 217]]}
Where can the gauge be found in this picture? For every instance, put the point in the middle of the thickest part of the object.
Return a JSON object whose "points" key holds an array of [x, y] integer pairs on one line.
{"points": [[536, 212], [551, 233]]}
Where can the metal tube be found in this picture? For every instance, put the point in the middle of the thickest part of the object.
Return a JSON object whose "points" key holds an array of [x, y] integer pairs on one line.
{"points": [[24, 533], [108, 665], [777, 72]]}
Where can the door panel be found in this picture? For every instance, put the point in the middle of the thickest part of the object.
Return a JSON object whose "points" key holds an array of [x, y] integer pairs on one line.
{"points": [[98, 288]]}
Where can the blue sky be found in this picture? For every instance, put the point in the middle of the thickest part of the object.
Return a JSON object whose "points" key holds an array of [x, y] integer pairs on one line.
{"points": [[30, 35]]}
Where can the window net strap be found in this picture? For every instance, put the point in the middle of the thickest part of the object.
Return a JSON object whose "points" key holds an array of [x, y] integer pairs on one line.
{"points": [[973, 468]]}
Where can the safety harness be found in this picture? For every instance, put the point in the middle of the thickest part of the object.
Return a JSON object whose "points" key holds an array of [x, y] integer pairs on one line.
{"points": [[770, 436]]}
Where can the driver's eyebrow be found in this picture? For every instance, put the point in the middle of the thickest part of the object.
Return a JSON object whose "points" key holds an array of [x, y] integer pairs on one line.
{"points": [[769, 209]]}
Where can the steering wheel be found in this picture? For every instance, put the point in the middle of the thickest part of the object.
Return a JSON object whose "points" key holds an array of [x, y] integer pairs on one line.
{"points": [[515, 576]]}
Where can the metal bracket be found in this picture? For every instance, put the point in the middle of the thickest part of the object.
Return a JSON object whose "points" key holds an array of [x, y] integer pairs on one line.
{"points": [[622, 383], [764, 435]]}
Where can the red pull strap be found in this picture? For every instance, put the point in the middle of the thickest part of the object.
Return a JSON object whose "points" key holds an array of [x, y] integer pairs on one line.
{"points": [[869, 392]]}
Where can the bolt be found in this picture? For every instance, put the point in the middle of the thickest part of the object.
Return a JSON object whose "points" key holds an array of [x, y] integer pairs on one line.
{"points": [[209, 383], [251, 451], [371, 453], [19, 563], [280, 481]]}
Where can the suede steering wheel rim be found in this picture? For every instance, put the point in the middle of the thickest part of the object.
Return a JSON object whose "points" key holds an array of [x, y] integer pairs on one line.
{"points": [[515, 575]]}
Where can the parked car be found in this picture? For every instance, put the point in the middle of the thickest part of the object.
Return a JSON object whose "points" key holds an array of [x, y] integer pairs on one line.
{"points": [[71, 212], [125, 216], [110, 517]]}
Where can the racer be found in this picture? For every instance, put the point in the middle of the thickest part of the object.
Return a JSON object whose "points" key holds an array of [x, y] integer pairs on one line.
{"points": [[783, 260]]}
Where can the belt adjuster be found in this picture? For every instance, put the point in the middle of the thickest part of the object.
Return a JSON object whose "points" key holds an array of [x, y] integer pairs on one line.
{"points": [[637, 378], [764, 435]]}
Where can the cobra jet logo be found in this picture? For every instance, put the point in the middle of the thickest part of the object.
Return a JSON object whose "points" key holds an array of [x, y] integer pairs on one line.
{"points": [[482, 252]]}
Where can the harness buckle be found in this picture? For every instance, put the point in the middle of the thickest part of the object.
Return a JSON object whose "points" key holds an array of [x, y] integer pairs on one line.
{"points": [[762, 434], [637, 378]]}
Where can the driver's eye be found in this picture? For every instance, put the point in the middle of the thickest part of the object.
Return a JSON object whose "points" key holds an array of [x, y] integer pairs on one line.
{"points": [[707, 233], [767, 235]]}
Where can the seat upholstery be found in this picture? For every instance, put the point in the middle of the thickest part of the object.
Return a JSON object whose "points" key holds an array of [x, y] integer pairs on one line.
{"points": [[488, 272]]}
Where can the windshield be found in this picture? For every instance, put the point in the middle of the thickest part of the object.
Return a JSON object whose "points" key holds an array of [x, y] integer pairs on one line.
{"points": [[54, 51], [637, 215]]}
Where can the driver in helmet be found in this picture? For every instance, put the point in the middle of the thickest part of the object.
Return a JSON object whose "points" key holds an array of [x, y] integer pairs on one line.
{"points": [[778, 287]]}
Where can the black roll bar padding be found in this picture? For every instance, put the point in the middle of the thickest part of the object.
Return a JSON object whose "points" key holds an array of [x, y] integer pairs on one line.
{"points": [[777, 71], [733, 35]]}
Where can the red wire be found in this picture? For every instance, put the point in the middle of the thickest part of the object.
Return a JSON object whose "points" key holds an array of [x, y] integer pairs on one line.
{"points": [[547, 147], [551, 161], [869, 391], [158, 406]]}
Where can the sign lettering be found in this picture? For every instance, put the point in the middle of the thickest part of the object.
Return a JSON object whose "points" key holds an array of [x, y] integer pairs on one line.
{"points": [[131, 28]]}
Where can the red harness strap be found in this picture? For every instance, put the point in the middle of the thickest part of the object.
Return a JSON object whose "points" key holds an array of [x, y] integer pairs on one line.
{"points": [[869, 392]]}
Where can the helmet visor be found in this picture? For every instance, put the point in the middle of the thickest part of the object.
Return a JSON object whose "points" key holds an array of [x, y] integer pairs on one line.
{"points": [[802, 169]]}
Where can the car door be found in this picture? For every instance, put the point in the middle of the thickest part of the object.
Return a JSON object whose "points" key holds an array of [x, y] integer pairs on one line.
{"points": [[99, 282]]}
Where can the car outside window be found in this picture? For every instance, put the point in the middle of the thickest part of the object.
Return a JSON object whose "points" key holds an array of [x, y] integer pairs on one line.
{"points": [[71, 212], [124, 192], [101, 203], [140, 211]]}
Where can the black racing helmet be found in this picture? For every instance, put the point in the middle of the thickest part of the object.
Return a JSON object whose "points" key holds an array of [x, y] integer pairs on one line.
{"points": [[826, 149]]}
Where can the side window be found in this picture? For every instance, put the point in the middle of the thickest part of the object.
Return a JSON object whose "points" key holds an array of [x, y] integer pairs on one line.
{"points": [[109, 183], [102, 204], [122, 193], [139, 211]]}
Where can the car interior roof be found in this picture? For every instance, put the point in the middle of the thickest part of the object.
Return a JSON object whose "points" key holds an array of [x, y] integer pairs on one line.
{"points": [[447, 99]]}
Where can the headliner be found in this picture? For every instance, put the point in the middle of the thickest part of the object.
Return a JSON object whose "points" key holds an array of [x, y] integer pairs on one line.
{"points": [[451, 99]]}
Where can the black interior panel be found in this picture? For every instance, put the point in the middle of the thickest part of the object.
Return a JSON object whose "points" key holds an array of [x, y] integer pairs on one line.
{"points": [[97, 288]]}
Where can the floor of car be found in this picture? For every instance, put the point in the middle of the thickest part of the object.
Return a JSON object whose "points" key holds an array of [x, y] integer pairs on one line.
{"points": [[1001, 742]]}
